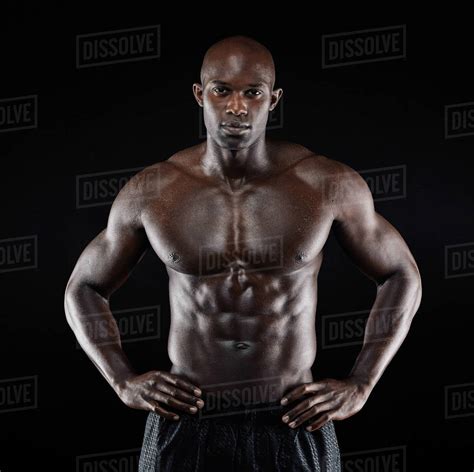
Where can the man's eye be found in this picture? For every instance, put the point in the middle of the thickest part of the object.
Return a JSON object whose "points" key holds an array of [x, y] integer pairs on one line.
{"points": [[219, 89], [255, 92]]}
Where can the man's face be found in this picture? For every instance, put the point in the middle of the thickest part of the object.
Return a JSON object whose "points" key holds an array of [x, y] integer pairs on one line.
{"points": [[236, 99]]}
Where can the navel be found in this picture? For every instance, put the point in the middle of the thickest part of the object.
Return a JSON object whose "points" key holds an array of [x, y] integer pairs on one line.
{"points": [[241, 345]]}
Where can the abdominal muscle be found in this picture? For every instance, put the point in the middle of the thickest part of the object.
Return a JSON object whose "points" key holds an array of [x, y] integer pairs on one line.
{"points": [[266, 346]]}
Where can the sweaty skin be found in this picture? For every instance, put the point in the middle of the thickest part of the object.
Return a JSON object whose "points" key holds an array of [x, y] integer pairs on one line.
{"points": [[240, 221]]}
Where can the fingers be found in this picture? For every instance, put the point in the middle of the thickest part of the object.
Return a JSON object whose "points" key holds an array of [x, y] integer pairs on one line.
{"points": [[179, 394], [168, 389], [321, 421], [180, 383], [157, 408], [298, 419], [302, 390], [170, 401], [304, 405]]}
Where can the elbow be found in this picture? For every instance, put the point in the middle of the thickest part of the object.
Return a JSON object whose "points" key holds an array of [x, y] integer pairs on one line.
{"points": [[407, 271], [413, 276], [70, 294], [419, 290], [414, 291], [407, 279], [73, 293], [79, 294]]}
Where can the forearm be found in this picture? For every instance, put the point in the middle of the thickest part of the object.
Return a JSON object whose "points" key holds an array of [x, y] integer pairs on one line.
{"points": [[89, 316], [397, 301]]}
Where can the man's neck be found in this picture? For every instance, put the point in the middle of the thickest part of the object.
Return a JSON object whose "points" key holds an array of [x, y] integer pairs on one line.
{"points": [[236, 167]]}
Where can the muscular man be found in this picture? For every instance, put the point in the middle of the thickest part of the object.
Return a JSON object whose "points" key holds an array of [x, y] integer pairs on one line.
{"points": [[240, 221]]}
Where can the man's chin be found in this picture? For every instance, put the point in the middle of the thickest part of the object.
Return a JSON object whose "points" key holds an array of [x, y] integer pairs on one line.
{"points": [[233, 143]]}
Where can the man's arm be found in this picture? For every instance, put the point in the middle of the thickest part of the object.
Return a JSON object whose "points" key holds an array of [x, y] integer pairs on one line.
{"points": [[102, 268], [377, 248]]}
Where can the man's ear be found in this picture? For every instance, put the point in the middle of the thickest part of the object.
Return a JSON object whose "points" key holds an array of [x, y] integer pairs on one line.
{"points": [[276, 95], [197, 91]]}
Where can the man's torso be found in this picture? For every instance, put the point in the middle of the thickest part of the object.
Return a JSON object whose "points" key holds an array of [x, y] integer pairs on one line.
{"points": [[243, 265]]}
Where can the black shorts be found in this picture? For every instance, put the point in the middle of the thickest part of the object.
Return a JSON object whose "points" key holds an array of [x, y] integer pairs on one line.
{"points": [[251, 440]]}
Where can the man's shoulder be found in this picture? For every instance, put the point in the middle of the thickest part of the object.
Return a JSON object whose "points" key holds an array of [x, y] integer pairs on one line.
{"points": [[332, 169], [344, 188], [345, 176], [307, 161], [337, 181], [337, 170]]}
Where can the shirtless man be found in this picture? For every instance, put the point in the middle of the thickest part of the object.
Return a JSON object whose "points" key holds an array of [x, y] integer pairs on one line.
{"points": [[240, 221]]}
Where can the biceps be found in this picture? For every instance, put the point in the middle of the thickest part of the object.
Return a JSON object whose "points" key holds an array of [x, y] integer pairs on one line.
{"points": [[373, 244], [107, 261]]}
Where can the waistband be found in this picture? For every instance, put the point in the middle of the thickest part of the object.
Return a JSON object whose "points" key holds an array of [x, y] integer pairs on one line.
{"points": [[268, 412]]}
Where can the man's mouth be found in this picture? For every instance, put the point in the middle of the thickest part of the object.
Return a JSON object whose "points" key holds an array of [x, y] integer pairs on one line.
{"points": [[235, 124], [235, 127]]}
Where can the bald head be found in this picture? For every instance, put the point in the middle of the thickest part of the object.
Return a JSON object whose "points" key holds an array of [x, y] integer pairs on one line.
{"points": [[238, 54]]}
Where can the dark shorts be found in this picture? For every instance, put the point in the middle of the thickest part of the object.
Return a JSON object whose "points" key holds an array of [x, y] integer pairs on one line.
{"points": [[253, 440]]}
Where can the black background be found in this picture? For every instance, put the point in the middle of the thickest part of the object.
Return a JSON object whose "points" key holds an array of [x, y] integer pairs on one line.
{"points": [[133, 114]]}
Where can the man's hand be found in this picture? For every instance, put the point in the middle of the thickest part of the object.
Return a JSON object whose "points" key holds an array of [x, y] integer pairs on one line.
{"points": [[151, 390], [325, 400]]}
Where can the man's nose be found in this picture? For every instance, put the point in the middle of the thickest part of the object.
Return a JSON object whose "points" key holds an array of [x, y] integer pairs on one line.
{"points": [[236, 105]]}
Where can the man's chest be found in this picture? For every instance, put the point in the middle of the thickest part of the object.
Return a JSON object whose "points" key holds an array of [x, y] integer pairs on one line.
{"points": [[204, 230]]}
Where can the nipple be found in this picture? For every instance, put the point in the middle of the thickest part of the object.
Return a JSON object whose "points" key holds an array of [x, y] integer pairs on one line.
{"points": [[300, 256], [173, 256]]}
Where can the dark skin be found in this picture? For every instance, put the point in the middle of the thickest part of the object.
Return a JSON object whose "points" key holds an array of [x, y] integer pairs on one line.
{"points": [[241, 317]]}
